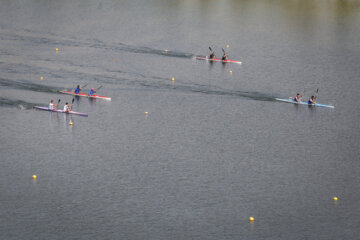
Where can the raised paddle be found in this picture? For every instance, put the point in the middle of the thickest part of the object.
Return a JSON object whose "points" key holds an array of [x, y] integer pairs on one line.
{"points": [[72, 102], [57, 104], [83, 86], [224, 55], [316, 92]]}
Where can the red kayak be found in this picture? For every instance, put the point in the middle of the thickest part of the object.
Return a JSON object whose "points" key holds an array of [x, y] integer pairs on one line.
{"points": [[218, 60], [85, 95]]}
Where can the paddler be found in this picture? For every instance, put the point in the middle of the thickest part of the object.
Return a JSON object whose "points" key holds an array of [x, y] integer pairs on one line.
{"points": [[52, 105], [297, 98], [67, 107], [224, 57], [77, 89], [312, 100], [92, 92], [212, 55]]}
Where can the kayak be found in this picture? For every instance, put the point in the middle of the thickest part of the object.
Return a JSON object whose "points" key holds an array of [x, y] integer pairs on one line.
{"points": [[85, 95], [61, 111], [218, 60], [303, 103]]}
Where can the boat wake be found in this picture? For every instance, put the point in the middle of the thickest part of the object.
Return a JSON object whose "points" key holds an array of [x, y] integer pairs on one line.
{"points": [[138, 49], [162, 84], [28, 86], [22, 105], [60, 41]]}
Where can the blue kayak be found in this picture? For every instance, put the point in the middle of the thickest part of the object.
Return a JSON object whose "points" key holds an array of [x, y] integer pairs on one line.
{"points": [[290, 100]]}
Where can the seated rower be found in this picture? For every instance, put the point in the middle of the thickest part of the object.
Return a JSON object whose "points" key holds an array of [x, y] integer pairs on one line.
{"points": [[77, 89], [67, 107], [312, 100], [297, 98], [224, 57], [52, 105], [92, 92], [212, 55]]}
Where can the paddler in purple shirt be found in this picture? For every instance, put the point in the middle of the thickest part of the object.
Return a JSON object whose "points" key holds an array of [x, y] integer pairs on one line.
{"points": [[312, 100], [297, 98]]}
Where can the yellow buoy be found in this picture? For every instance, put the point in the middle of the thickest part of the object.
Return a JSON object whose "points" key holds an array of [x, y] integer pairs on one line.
{"points": [[251, 219], [146, 113], [335, 198], [228, 46], [230, 72], [173, 79], [70, 123], [166, 50], [41, 78], [56, 49], [34, 176]]}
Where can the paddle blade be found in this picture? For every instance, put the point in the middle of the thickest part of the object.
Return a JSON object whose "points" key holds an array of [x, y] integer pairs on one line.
{"points": [[73, 101], [84, 85], [98, 88], [59, 101], [210, 48]]}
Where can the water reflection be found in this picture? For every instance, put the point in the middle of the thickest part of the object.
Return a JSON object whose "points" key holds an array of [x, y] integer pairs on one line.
{"points": [[92, 101]]}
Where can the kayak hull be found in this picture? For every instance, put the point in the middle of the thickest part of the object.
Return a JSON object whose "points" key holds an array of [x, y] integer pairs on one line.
{"points": [[61, 111], [218, 60], [85, 95], [303, 103]]}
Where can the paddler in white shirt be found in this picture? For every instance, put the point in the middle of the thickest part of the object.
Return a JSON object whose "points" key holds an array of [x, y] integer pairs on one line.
{"points": [[67, 107], [52, 105]]}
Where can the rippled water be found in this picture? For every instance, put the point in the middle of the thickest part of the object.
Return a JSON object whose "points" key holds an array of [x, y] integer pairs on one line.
{"points": [[214, 149]]}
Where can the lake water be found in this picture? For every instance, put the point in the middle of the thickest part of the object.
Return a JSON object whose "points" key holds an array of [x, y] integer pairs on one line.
{"points": [[215, 147]]}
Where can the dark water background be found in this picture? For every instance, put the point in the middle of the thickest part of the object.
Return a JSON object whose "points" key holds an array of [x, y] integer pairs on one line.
{"points": [[215, 148]]}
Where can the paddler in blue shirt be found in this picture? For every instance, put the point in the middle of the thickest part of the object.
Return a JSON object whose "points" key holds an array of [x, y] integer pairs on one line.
{"points": [[77, 89], [312, 100], [92, 92], [297, 98]]}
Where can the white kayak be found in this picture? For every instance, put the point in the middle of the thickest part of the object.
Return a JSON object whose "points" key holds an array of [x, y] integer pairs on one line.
{"points": [[217, 60], [61, 111], [290, 100]]}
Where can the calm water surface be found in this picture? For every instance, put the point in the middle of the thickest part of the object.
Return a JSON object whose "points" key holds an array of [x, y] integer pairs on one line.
{"points": [[214, 149]]}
